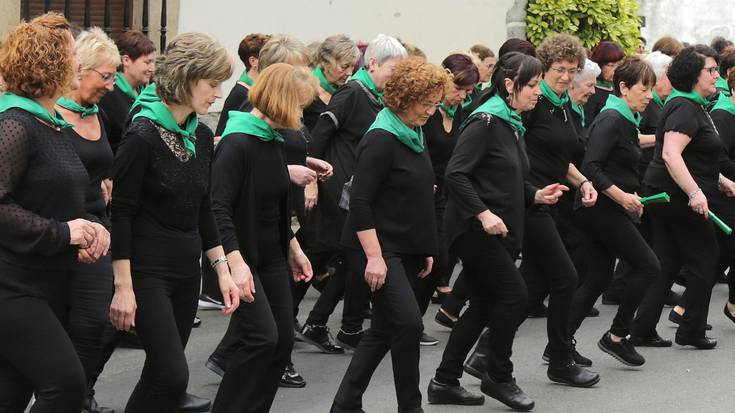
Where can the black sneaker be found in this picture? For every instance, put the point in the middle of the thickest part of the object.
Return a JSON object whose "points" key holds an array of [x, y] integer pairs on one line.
{"points": [[623, 351], [572, 374], [319, 337], [427, 340], [291, 378], [578, 358], [677, 319], [442, 318], [349, 340], [208, 303], [508, 393]]}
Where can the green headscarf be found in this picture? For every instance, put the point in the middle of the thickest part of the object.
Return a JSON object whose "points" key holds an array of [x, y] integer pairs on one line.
{"points": [[10, 100], [75, 107], [152, 107], [619, 105], [497, 107], [319, 74], [390, 122], [245, 78], [125, 87], [693, 96], [364, 77], [247, 123], [552, 97]]}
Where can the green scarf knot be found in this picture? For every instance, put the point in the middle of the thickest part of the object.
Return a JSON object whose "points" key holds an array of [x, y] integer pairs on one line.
{"points": [[619, 105], [390, 122], [9, 100], [75, 107], [364, 77], [319, 74], [249, 124], [125, 87], [449, 111], [497, 107], [151, 107], [552, 97], [579, 110], [245, 78]]}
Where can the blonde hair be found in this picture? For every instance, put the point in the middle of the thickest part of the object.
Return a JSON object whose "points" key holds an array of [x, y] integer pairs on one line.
{"points": [[282, 48], [337, 50], [188, 58], [94, 48], [280, 91]]}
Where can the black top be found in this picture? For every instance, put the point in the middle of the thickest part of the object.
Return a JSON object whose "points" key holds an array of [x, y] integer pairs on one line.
{"points": [[340, 128], [725, 123], [613, 153], [114, 109], [393, 193], [441, 143], [488, 170], [250, 194], [649, 123], [312, 113], [97, 158], [701, 155], [295, 151], [582, 135], [595, 103], [551, 142], [161, 214], [43, 185], [238, 95]]}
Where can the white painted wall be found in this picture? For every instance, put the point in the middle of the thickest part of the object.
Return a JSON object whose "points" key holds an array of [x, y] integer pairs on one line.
{"points": [[436, 26], [688, 20]]}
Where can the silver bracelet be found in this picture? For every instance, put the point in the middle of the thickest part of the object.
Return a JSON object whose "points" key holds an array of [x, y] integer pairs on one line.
{"points": [[694, 193], [217, 261]]}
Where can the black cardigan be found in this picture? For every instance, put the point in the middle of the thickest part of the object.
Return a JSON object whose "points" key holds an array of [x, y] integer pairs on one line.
{"points": [[725, 123], [114, 109], [238, 95]]}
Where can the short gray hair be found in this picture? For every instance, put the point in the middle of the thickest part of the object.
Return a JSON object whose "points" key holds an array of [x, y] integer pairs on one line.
{"points": [[384, 48], [659, 62], [282, 48], [94, 48], [589, 70]]}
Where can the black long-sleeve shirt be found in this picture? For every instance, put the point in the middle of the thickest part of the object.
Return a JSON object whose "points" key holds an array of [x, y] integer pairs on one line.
{"points": [[237, 97], [595, 103], [725, 124], [312, 113], [161, 213], [393, 193], [295, 151], [488, 170], [441, 143], [114, 110], [648, 126]]}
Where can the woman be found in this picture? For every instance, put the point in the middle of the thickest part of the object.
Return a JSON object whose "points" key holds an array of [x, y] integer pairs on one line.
{"points": [[138, 62], [551, 142], [44, 224], [685, 165], [90, 286], [611, 162], [669, 46], [162, 219], [250, 200], [393, 168], [488, 192], [607, 55]]}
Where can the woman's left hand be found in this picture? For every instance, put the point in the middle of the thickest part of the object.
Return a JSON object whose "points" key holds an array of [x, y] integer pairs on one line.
{"points": [[727, 187], [311, 195], [550, 194], [99, 247], [427, 268], [589, 194], [300, 266], [322, 168]]}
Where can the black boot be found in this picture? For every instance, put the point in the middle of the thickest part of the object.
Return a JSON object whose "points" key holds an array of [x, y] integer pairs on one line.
{"points": [[476, 364]]}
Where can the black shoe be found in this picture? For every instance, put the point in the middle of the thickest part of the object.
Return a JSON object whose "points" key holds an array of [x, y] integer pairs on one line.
{"points": [[508, 393], [578, 358], [319, 337], [672, 299], [610, 299], [476, 365], [443, 319], [623, 351], [291, 378], [438, 297], [197, 322], [349, 340], [572, 374], [728, 314], [702, 343], [538, 311], [675, 318], [90, 406], [445, 394], [191, 403], [427, 340], [594, 312], [216, 365], [653, 341]]}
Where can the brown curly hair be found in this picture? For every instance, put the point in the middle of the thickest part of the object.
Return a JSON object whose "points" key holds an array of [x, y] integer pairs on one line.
{"points": [[34, 58], [560, 47], [412, 81]]}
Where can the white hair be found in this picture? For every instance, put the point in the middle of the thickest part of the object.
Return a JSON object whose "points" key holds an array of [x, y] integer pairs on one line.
{"points": [[384, 48], [659, 62], [590, 71], [95, 48]]}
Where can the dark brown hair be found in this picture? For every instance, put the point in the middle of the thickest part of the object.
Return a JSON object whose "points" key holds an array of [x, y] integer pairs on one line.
{"points": [[631, 71], [463, 69], [482, 51], [250, 47], [134, 44]]}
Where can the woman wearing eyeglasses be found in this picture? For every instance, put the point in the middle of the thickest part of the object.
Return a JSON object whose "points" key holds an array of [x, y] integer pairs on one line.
{"points": [[607, 55]]}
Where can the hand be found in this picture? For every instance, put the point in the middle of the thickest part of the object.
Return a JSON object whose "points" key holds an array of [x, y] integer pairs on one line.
{"points": [[699, 204], [375, 272], [300, 266], [727, 187], [243, 278], [230, 292], [589, 194], [122, 308], [301, 175], [81, 232], [550, 194], [322, 168], [106, 185], [427, 268], [631, 203], [492, 224], [311, 194], [101, 243]]}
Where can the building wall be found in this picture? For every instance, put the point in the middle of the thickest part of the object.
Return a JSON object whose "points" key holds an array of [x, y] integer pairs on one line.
{"points": [[689, 21], [9, 15], [436, 26]]}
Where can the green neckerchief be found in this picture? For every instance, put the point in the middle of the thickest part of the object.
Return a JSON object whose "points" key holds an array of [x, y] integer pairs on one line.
{"points": [[496, 106], [10, 100], [657, 99], [319, 74], [619, 105], [721, 84], [725, 103], [159, 114], [125, 87], [552, 97], [245, 78], [604, 84], [364, 77], [73, 106], [249, 124], [147, 95], [449, 111], [579, 110], [468, 99], [693, 96], [390, 122]]}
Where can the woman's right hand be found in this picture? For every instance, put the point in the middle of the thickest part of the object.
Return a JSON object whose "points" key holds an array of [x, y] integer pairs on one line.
{"points": [[122, 308], [698, 203], [493, 224], [375, 272], [243, 278], [82, 232], [631, 203]]}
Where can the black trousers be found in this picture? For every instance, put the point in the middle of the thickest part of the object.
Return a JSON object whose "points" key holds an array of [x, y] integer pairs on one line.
{"points": [[546, 263], [396, 326], [498, 299], [612, 233], [36, 354], [683, 240], [166, 307], [90, 294]]}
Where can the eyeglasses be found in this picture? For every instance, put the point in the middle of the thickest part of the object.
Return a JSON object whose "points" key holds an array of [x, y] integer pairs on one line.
{"points": [[712, 70], [570, 72], [108, 78], [429, 105]]}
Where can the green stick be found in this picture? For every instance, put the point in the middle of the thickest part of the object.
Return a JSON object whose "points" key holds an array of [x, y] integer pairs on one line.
{"points": [[726, 229], [661, 198]]}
